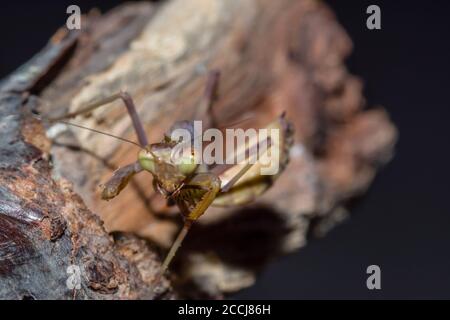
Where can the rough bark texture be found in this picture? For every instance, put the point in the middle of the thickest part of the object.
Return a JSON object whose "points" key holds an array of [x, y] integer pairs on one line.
{"points": [[273, 56]]}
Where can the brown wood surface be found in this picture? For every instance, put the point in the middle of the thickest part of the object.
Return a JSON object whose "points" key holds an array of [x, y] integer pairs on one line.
{"points": [[274, 56]]}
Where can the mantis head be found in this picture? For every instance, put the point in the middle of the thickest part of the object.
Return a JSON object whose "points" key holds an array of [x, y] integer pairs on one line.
{"points": [[168, 162]]}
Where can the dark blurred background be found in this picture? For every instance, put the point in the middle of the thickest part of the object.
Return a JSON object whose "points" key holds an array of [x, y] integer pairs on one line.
{"points": [[403, 223]]}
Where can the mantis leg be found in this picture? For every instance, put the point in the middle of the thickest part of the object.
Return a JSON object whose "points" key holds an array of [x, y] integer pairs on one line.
{"points": [[203, 181], [129, 104], [244, 183], [119, 180], [197, 185], [235, 178], [253, 151]]}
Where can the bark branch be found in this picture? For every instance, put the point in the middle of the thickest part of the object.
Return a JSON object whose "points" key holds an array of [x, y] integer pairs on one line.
{"points": [[273, 56]]}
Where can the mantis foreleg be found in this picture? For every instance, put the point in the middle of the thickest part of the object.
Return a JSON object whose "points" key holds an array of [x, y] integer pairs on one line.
{"points": [[206, 184], [204, 181], [119, 180]]}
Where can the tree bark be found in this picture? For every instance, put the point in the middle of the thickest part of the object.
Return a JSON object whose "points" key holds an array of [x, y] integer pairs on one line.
{"points": [[273, 56]]}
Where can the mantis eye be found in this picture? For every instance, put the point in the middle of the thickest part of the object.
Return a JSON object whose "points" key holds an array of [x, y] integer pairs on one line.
{"points": [[146, 161], [186, 165]]}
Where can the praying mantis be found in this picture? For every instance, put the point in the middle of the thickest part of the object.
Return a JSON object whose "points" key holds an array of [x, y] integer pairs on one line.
{"points": [[191, 186]]}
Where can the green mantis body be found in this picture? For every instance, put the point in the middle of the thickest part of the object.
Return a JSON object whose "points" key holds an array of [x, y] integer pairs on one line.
{"points": [[192, 187]]}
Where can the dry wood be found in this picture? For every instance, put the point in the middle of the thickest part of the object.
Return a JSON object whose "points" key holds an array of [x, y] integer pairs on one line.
{"points": [[273, 56]]}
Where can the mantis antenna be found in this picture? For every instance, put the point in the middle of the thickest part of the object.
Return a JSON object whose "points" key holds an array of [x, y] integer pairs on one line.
{"points": [[87, 128]]}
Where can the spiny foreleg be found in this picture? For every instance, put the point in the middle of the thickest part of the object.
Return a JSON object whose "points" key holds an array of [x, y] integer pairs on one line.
{"points": [[209, 184]]}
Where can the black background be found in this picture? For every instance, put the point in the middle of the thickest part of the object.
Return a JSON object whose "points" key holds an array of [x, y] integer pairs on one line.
{"points": [[403, 223]]}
